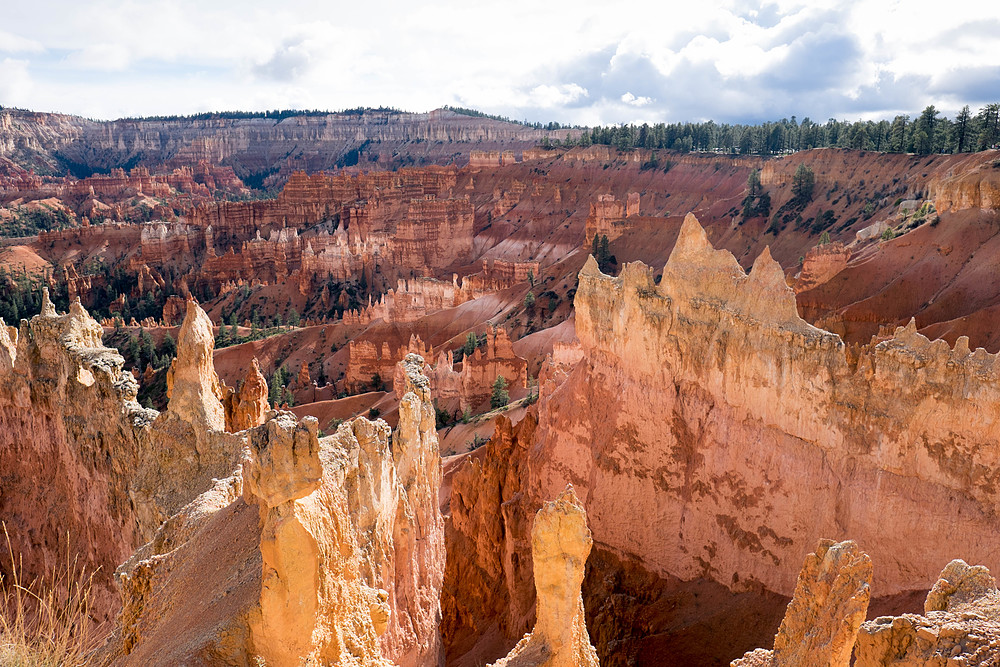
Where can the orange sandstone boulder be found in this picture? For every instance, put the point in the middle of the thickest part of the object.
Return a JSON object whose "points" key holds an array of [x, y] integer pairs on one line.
{"points": [[960, 625]]}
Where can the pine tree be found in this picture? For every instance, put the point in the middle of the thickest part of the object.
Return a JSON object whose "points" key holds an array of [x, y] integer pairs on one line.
{"points": [[803, 184], [499, 397], [471, 343], [989, 126], [148, 348], [169, 346], [963, 129], [923, 139]]}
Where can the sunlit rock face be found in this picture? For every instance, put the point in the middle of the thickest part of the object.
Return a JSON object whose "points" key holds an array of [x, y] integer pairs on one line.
{"points": [[737, 435], [767, 435], [830, 602], [328, 551], [960, 625]]}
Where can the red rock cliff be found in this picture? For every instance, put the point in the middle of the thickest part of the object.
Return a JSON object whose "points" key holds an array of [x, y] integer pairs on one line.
{"points": [[754, 397], [737, 435]]}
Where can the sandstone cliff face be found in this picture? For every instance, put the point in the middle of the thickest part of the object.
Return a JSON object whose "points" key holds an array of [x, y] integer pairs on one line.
{"points": [[414, 635], [979, 188], [402, 223], [115, 470], [767, 436], [68, 415], [959, 627], [560, 544], [830, 602], [329, 551], [415, 298], [752, 398], [488, 596], [820, 264]]}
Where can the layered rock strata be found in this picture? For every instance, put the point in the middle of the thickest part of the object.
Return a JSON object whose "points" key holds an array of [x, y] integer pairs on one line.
{"points": [[251, 145]]}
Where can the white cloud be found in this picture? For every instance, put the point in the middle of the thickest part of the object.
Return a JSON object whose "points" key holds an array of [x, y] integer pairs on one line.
{"points": [[566, 60], [547, 96], [15, 82], [102, 57], [629, 98], [11, 43]]}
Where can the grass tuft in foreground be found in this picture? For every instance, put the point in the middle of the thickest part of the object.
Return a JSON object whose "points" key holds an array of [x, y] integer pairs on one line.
{"points": [[44, 623]]}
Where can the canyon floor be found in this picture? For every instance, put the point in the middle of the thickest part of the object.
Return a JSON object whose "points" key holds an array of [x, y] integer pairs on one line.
{"points": [[473, 401]]}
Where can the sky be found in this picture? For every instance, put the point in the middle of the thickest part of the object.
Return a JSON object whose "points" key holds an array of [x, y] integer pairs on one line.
{"points": [[576, 61]]}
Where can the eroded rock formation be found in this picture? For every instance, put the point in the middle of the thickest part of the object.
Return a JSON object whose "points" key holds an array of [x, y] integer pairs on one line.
{"points": [[366, 361], [820, 264], [115, 471], [247, 406], [560, 544], [473, 384], [192, 384], [960, 625], [975, 188], [608, 216], [323, 550], [829, 605], [768, 436], [418, 297]]}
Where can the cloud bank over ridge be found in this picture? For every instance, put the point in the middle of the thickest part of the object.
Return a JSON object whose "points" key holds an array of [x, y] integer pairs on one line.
{"points": [[576, 62]]}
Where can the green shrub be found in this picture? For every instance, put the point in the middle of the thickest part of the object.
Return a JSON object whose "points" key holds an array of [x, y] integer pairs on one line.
{"points": [[499, 397]]}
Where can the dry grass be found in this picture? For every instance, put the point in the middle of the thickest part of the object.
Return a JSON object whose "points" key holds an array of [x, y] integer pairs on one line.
{"points": [[44, 623]]}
